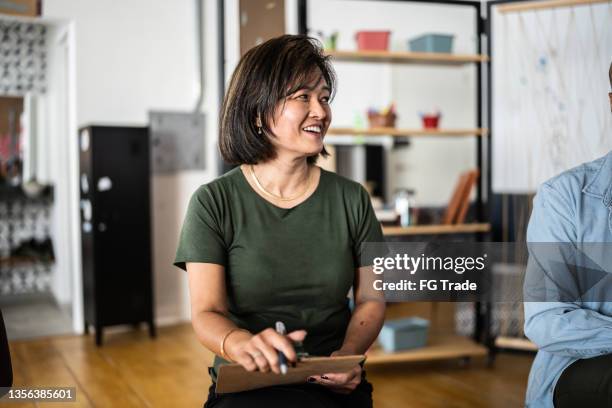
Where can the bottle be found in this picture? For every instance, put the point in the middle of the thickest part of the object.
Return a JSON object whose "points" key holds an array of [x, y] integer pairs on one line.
{"points": [[404, 203]]}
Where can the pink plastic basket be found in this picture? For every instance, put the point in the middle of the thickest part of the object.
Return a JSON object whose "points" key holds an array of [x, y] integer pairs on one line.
{"points": [[372, 40]]}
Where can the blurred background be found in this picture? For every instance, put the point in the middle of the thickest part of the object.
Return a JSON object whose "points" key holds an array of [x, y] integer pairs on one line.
{"points": [[450, 113]]}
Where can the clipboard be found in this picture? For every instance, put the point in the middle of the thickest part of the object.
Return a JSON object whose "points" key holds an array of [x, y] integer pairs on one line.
{"points": [[234, 378]]}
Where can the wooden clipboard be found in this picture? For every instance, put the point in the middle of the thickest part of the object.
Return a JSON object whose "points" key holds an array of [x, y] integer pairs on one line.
{"points": [[234, 378]]}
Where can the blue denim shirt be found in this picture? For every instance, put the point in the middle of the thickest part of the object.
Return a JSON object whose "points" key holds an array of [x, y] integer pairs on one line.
{"points": [[574, 207]]}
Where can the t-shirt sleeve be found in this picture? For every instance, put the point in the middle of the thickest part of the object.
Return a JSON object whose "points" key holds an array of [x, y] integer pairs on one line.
{"points": [[369, 241], [202, 236]]}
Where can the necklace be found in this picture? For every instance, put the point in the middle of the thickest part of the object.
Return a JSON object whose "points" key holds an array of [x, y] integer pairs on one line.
{"points": [[276, 197]]}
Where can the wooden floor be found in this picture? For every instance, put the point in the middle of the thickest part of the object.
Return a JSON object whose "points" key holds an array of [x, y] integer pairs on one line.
{"points": [[131, 370]]}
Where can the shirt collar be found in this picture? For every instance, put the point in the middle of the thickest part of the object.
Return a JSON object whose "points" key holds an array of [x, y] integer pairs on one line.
{"points": [[601, 185]]}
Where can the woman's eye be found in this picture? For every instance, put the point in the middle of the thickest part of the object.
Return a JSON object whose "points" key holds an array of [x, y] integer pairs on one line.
{"points": [[303, 97], [325, 99]]}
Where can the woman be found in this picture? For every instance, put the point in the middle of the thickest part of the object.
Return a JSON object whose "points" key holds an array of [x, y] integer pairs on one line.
{"points": [[280, 239]]}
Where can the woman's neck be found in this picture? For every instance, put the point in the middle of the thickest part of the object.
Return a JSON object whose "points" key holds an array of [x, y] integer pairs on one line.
{"points": [[283, 178]]}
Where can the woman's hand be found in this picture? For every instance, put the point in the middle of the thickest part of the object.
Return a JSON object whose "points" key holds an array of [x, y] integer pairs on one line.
{"points": [[342, 383], [260, 351]]}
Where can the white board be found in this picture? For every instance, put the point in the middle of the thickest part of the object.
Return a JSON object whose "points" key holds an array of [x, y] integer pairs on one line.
{"points": [[550, 85]]}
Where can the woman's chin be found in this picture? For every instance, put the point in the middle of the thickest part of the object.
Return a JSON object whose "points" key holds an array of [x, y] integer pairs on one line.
{"points": [[315, 150], [307, 149], [311, 147]]}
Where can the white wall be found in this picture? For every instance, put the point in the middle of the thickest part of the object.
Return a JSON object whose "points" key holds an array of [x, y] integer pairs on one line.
{"points": [[550, 76], [136, 56], [431, 167], [56, 124], [132, 57]]}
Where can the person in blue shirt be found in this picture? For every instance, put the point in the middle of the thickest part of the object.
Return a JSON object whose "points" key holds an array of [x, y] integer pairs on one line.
{"points": [[573, 332]]}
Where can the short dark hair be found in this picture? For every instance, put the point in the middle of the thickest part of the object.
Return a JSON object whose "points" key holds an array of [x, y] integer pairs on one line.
{"points": [[265, 75]]}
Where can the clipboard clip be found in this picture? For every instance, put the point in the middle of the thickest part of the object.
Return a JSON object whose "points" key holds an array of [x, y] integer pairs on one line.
{"points": [[299, 350]]}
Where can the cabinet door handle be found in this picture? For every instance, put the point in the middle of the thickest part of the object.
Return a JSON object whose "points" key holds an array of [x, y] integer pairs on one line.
{"points": [[104, 184]]}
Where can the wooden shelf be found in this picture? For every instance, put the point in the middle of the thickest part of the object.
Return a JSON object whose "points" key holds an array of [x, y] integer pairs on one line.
{"points": [[540, 5], [35, 20], [389, 131], [11, 193], [515, 343], [437, 229], [16, 261], [439, 347], [408, 57]]}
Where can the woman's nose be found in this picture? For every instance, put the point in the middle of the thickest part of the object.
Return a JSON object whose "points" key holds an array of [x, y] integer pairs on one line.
{"points": [[317, 110]]}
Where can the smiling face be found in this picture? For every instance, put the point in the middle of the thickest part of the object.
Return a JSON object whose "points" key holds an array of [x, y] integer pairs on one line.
{"points": [[302, 119], [277, 102]]}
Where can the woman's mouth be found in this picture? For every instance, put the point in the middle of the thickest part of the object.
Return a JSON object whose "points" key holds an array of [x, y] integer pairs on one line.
{"points": [[315, 130]]}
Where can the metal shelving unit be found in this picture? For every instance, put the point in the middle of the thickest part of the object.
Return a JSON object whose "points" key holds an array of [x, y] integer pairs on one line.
{"points": [[441, 346], [423, 58]]}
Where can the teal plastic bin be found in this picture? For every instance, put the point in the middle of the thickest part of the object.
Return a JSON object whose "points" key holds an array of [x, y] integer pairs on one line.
{"points": [[403, 334], [432, 43]]}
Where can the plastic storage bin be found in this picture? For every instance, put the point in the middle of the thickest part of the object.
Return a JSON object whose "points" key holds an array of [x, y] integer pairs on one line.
{"points": [[403, 334], [372, 40], [432, 43]]}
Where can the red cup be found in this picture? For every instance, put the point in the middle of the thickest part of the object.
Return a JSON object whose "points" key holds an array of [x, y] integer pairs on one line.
{"points": [[431, 122]]}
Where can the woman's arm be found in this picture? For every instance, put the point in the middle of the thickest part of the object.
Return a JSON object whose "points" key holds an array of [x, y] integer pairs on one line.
{"points": [[209, 318], [363, 328], [368, 316], [209, 305]]}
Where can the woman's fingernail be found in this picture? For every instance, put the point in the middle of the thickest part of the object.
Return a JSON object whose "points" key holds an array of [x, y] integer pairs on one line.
{"points": [[324, 377], [311, 380]]}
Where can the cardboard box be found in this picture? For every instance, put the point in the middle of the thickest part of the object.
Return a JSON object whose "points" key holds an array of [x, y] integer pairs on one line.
{"points": [[30, 8]]}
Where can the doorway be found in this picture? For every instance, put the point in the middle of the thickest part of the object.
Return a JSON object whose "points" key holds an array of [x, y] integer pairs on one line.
{"points": [[39, 281]]}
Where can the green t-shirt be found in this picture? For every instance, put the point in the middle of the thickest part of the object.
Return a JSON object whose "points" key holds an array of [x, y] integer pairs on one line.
{"points": [[291, 265]]}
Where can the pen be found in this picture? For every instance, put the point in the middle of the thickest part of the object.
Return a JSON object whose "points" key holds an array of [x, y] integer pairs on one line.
{"points": [[280, 329]]}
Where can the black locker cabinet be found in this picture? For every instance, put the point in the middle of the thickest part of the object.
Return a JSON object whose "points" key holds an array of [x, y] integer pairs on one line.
{"points": [[115, 227]]}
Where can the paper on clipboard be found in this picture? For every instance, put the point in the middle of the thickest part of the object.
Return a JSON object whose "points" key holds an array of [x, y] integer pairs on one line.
{"points": [[234, 378]]}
